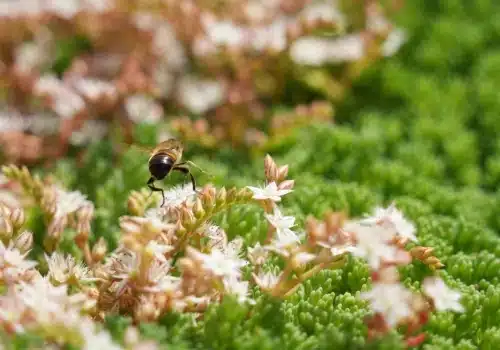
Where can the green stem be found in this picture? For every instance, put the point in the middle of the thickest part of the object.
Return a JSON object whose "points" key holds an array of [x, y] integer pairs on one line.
{"points": [[311, 272]]}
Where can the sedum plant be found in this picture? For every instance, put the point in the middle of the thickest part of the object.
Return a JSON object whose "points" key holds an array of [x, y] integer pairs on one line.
{"points": [[175, 260], [418, 131]]}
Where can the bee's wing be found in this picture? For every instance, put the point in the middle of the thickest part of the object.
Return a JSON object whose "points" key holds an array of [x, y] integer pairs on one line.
{"points": [[144, 149], [170, 144]]}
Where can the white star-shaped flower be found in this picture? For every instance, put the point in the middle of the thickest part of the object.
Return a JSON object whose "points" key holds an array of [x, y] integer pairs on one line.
{"points": [[303, 258], [179, 195], [69, 202], [233, 248], [13, 263], [66, 9], [63, 268], [266, 280], [45, 299], [222, 265], [280, 222], [270, 192], [217, 236], [239, 289], [122, 264], [444, 298], [92, 130], [12, 310], [392, 218], [159, 250], [283, 243], [393, 42], [257, 254], [312, 51], [373, 246], [337, 250], [391, 300], [286, 239]]}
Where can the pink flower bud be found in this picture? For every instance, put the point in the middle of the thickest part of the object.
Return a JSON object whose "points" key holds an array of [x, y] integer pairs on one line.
{"points": [[6, 228], [99, 250], [282, 172], [286, 185], [24, 241], [17, 218]]}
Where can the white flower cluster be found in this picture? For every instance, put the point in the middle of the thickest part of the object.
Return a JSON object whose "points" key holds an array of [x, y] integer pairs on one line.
{"points": [[39, 304], [442, 296], [66, 103], [64, 8], [39, 124], [64, 270], [285, 240], [206, 275], [143, 108], [226, 264], [377, 238], [270, 192], [376, 243], [13, 263], [68, 202], [174, 258], [375, 235]]}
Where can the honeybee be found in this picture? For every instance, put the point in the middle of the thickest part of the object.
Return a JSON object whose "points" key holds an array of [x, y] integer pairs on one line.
{"points": [[165, 158]]}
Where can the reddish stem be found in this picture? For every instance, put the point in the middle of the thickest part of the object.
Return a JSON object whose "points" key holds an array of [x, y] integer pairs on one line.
{"points": [[415, 340]]}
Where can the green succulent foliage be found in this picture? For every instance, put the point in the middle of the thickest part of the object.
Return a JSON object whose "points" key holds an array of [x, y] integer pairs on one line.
{"points": [[420, 129], [21, 341], [67, 50], [117, 326]]}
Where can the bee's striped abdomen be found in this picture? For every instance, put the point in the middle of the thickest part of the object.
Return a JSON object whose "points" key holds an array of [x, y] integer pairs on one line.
{"points": [[160, 165]]}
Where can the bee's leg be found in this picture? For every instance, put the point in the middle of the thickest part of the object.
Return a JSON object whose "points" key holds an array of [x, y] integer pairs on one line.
{"points": [[186, 171], [196, 166], [156, 189]]}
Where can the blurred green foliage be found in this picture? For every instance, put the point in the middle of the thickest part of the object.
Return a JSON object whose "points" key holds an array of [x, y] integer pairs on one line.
{"points": [[66, 50], [419, 129]]}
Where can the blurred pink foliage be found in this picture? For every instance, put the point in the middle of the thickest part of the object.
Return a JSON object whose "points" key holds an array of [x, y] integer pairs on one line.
{"points": [[213, 69]]}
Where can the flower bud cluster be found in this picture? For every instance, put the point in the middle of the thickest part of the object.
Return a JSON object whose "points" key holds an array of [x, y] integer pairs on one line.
{"points": [[61, 208], [144, 264], [303, 257], [139, 201], [11, 222], [382, 239]]}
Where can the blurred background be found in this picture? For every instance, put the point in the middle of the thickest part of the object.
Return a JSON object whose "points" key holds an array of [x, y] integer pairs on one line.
{"points": [[350, 90], [242, 74]]}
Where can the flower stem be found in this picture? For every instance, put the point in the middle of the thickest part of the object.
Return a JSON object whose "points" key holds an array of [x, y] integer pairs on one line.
{"points": [[311, 272]]}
